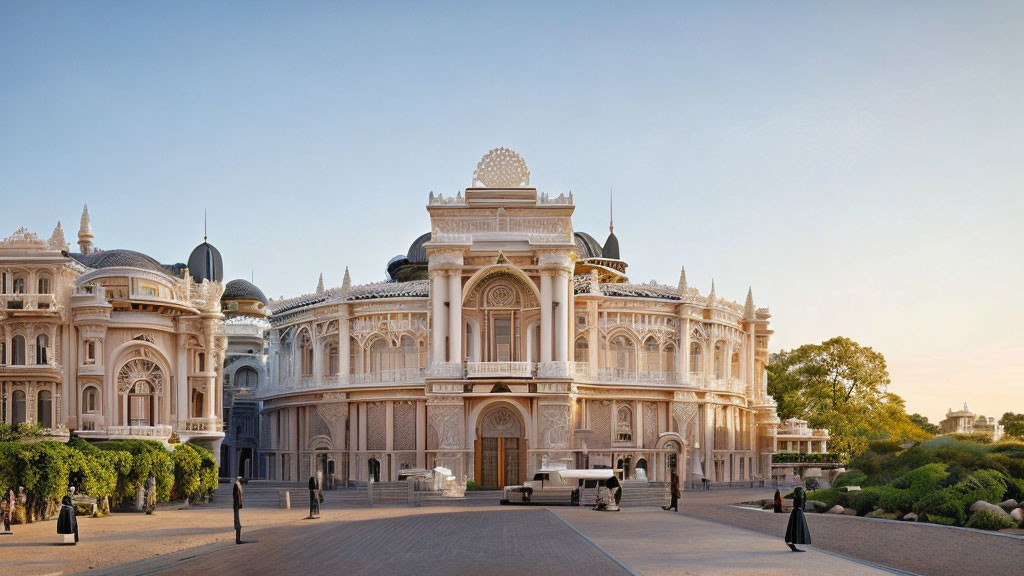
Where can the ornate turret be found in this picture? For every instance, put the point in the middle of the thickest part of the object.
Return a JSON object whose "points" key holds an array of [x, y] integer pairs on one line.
{"points": [[682, 281], [748, 308], [611, 245], [712, 296], [85, 232], [57, 241], [346, 282], [320, 284]]}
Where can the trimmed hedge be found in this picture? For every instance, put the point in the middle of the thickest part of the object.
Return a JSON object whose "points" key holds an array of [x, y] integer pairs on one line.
{"points": [[989, 520], [112, 469]]}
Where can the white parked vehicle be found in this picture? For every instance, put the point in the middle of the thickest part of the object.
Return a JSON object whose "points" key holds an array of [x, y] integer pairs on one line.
{"points": [[555, 486]]}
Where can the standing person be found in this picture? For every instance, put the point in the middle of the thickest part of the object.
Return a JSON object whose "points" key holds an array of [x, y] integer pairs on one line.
{"points": [[674, 504], [777, 502], [151, 495], [7, 506], [236, 496], [66, 522], [797, 532], [314, 498]]}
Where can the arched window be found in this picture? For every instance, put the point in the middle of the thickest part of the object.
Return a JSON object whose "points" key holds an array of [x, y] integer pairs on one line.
{"points": [[353, 356], [651, 358], [18, 350], [42, 343], [44, 285], [624, 424], [18, 413], [247, 377], [582, 351], [197, 403], [696, 360], [408, 356], [140, 404], [469, 343], [3, 352], [44, 409], [90, 399], [735, 371], [719, 360], [377, 356], [90, 352], [622, 355], [201, 362], [306, 347], [19, 285], [669, 364]]}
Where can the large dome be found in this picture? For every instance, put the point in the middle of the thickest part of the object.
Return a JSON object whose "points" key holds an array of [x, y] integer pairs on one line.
{"points": [[242, 290], [119, 258], [205, 264], [417, 253], [587, 246]]}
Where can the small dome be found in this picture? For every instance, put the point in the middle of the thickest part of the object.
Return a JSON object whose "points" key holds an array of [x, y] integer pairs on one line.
{"points": [[119, 258], [242, 290], [611, 247], [587, 246], [417, 253], [395, 264], [205, 264]]}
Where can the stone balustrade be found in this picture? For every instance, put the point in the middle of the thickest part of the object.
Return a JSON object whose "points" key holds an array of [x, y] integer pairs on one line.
{"points": [[28, 302], [499, 369], [160, 431]]}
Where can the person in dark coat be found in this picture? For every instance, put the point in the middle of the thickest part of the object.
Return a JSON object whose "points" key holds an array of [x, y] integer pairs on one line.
{"points": [[66, 522], [314, 498], [797, 532], [236, 497], [7, 506], [777, 502], [615, 488], [674, 504]]}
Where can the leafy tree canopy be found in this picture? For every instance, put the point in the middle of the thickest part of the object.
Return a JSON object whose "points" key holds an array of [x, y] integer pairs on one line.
{"points": [[1013, 425], [842, 386]]}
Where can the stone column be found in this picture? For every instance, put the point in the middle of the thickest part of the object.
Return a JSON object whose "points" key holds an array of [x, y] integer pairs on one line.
{"points": [[344, 347], [181, 382], [209, 410], [545, 316], [561, 294], [455, 317], [421, 435], [439, 316], [752, 362], [593, 340]]}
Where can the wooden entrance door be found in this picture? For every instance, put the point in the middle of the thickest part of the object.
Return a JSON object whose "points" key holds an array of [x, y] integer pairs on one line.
{"points": [[499, 462]]}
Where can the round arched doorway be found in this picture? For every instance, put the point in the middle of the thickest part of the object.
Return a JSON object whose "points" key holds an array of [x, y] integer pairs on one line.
{"points": [[500, 449]]}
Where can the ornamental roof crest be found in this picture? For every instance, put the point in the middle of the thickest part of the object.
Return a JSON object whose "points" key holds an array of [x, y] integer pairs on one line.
{"points": [[501, 168]]}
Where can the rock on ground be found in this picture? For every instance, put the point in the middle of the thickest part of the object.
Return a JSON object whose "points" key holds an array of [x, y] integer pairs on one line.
{"points": [[1017, 515], [982, 505], [1009, 505], [817, 506], [910, 517], [837, 509]]}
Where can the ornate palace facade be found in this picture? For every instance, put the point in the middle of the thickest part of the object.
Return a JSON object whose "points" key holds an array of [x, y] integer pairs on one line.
{"points": [[110, 343], [506, 342]]}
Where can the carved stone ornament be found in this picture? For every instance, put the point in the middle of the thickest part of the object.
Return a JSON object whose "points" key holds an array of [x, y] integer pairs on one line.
{"points": [[139, 369], [555, 422], [683, 412], [447, 423], [501, 168], [332, 412]]}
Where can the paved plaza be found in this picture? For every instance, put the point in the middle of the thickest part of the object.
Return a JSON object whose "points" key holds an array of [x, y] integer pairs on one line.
{"points": [[708, 537]]}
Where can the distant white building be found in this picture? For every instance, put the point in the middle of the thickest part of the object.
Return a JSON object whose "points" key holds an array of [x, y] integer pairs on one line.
{"points": [[795, 436], [967, 422]]}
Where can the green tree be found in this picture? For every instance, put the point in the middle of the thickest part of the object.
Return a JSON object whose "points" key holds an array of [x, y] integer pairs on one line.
{"points": [[923, 423], [842, 386], [1013, 425]]}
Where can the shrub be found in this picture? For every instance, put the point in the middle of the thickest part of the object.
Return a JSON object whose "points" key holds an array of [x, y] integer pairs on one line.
{"points": [[866, 500], [884, 446], [186, 471], [975, 437], [472, 485], [830, 497], [148, 456], [850, 478], [936, 519], [946, 503], [921, 481], [989, 520]]}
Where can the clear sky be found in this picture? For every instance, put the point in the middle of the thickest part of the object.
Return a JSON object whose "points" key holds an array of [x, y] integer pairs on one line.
{"points": [[861, 165]]}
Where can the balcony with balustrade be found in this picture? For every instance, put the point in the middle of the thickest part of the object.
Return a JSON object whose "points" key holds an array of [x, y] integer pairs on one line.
{"points": [[28, 304], [51, 372], [499, 369]]}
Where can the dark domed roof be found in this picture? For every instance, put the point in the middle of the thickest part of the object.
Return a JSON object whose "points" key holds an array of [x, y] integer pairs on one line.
{"points": [[587, 246], [118, 258], [417, 253], [242, 290], [395, 264], [611, 247], [205, 264]]}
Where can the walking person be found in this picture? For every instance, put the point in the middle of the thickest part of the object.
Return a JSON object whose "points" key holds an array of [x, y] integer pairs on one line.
{"points": [[797, 532], [236, 497], [314, 498], [151, 495], [66, 521], [674, 504], [777, 502]]}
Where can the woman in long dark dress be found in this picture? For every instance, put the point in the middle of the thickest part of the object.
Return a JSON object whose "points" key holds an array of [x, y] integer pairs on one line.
{"points": [[777, 502], [797, 531], [66, 522]]}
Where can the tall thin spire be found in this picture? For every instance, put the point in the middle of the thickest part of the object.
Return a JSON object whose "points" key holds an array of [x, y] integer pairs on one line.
{"points": [[682, 281], [346, 282], [748, 308], [611, 210], [85, 231], [320, 284], [204, 225], [712, 296]]}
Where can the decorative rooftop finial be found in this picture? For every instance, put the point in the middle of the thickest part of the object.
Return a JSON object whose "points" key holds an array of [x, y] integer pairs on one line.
{"points": [[85, 235], [204, 225], [711, 296], [682, 281], [748, 308], [611, 210], [57, 241], [346, 282], [320, 284], [501, 168]]}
